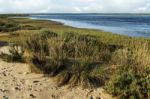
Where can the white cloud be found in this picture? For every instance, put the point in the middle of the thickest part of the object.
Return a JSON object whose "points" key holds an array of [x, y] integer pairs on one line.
{"points": [[52, 6], [144, 8], [23, 6], [77, 9]]}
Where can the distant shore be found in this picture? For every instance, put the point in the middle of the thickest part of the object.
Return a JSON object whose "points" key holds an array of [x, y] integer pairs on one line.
{"points": [[133, 25]]}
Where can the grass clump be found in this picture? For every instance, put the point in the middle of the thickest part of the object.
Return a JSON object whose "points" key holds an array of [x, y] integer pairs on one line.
{"points": [[86, 53], [76, 74], [131, 79], [44, 53], [56, 57], [15, 55], [80, 46], [36, 50], [70, 57]]}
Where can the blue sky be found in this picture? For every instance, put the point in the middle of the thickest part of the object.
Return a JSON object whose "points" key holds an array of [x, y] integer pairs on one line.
{"points": [[74, 6]]}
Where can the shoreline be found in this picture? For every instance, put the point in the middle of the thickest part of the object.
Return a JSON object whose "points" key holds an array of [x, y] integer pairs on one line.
{"points": [[90, 27], [119, 30], [78, 27]]}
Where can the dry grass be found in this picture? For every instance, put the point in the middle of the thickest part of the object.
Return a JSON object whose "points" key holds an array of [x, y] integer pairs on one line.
{"points": [[70, 57]]}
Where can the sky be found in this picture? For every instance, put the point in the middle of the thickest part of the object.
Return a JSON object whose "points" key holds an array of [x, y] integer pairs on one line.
{"points": [[74, 6]]}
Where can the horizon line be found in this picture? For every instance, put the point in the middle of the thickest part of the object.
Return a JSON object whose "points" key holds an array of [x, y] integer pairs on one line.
{"points": [[66, 13]]}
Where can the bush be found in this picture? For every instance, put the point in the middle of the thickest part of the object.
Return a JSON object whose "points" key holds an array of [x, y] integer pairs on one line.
{"points": [[132, 77], [127, 85]]}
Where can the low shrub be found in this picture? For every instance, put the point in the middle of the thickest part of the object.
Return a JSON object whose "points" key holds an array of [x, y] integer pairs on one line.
{"points": [[131, 79], [128, 85]]}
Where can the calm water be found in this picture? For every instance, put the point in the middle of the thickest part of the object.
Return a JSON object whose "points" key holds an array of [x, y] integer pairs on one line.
{"points": [[132, 25]]}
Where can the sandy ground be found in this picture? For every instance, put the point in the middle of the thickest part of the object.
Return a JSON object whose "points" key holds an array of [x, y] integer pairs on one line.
{"points": [[4, 34], [17, 82]]}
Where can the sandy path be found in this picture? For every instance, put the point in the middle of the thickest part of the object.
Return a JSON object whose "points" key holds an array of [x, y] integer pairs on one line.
{"points": [[17, 82]]}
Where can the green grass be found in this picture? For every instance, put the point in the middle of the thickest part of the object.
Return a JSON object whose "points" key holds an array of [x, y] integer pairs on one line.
{"points": [[86, 57]]}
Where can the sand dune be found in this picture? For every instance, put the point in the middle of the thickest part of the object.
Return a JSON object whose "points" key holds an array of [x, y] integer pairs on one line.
{"points": [[17, 82]]}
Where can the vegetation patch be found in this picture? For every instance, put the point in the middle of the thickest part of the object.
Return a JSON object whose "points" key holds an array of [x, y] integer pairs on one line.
{"points": [[7, 25], [131, 79], [73, 55]]}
